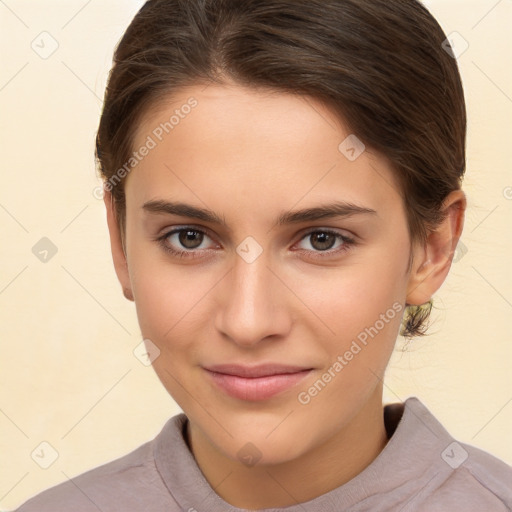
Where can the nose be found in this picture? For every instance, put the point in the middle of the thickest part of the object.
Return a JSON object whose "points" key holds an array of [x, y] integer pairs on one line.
{"points": [[253, 303]]}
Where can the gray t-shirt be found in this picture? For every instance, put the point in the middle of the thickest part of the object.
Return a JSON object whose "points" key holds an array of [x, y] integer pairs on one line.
{"points": [[422, 468]]}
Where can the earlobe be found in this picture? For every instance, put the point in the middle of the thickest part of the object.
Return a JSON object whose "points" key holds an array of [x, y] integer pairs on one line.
{"points": [[434, 259], [116, 245], [127, 292]]}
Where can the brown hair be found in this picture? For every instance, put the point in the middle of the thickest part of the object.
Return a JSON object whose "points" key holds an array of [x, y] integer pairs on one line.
{"points": [[379, 65]]}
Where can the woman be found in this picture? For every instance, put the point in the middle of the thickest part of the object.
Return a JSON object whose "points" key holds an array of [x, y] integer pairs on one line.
{"points": [[283, 192]]}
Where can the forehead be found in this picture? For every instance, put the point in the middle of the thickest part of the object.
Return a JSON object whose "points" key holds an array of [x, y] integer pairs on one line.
{"points": [[254, 143]]}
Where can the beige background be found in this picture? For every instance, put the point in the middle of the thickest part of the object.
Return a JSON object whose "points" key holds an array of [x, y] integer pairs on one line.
{"points": [[69, 375]]}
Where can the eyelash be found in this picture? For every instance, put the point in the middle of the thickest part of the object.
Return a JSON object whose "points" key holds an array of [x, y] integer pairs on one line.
{"points": [[348, 243]]}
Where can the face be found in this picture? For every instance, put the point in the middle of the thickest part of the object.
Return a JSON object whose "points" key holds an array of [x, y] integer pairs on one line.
{"points": [[253, 238]]}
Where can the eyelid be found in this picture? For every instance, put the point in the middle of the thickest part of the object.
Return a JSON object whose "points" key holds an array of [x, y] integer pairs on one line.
{"points": [[182, 227], [324, 229]]}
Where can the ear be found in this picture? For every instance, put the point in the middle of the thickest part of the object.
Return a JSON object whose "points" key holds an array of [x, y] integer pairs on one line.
{"points": [[116, 245], [433, 260]]}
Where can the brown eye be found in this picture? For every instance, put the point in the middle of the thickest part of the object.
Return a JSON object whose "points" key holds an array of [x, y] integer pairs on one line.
{"points": [[190, 238], [322, 241]]}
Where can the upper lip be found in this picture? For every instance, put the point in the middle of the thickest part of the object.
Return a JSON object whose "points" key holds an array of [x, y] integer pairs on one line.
{"points": [[261, 370]]}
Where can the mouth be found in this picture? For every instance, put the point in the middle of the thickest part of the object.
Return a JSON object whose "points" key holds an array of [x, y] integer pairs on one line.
{"points": [[256, 383]]}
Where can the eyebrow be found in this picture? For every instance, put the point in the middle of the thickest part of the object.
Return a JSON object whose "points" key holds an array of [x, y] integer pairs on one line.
{"points": [[336, 209]]}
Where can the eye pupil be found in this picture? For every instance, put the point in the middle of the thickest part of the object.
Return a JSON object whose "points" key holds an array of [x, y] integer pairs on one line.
{"points": [[326, 240], [190, 239]]}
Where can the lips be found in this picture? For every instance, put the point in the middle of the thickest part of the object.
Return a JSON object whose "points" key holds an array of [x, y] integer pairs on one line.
{"points": [[262, 370], [256, 383]]}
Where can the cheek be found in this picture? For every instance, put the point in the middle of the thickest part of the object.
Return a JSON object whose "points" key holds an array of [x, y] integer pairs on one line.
{"points": [[167, 306], [358, 310], [173, 305], [363, 310], [164, 297], [169, 311], [350, 298]]}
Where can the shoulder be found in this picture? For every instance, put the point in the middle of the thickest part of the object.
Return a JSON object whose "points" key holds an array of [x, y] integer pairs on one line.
{"points": [[479, 475], [121, 484], [480, 482], [461, 476], [89, 490]]}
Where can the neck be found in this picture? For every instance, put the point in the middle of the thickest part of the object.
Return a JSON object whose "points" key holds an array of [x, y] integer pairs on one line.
{"points": [[318, 471]]}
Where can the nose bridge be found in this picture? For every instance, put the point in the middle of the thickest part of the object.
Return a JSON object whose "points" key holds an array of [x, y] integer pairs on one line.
{"points": [[250, 311]]}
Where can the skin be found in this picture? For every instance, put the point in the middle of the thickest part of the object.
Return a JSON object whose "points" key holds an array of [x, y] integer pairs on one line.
{"points": [[249, 155]]}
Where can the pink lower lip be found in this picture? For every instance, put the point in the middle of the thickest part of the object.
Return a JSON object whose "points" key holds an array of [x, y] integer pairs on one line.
{"points": [[257, 388]]}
